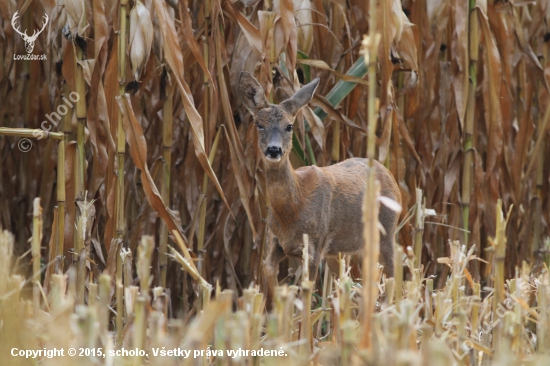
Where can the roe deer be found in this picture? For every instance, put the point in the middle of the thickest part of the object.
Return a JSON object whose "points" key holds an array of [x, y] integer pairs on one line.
{"points": [[324, 203]]}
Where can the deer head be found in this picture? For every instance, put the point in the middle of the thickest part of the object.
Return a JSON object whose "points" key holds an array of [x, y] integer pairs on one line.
{"points": [[29, 40], [274, 122]]}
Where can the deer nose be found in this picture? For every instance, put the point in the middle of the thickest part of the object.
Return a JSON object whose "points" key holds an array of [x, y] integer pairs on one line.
{"points": [[274, 152]]}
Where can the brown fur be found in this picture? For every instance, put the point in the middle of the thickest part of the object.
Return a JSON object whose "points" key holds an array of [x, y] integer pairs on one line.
{"points": [[324, 203]]}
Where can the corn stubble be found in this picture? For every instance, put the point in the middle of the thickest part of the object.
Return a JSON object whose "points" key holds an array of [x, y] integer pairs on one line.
{"points": [[139, 219]]}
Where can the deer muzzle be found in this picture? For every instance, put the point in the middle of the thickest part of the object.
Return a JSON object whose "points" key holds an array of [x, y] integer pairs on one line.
{"points": [[274, 153]]}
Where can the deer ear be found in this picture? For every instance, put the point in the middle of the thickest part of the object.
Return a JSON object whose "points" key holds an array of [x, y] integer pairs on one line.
{"points": [[251, 93], [301, 98]]}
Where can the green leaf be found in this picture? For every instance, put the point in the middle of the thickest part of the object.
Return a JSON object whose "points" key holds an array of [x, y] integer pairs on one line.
{"points": [[305, 68], [343, 88], [335, 96]]}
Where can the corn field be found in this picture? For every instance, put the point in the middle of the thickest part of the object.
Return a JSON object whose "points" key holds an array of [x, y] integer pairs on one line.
{"points": [[133, 200]]}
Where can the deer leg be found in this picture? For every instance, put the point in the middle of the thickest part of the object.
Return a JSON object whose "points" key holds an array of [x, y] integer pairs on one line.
{"points": [[271, 263], [333, 265], [388, 218], [314, 261]]}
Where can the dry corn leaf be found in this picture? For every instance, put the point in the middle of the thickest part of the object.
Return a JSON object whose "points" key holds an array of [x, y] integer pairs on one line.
{"points": [[251, 33], [388, 32], [526, 47], [77, 16], [324, 66], [285, 8], [236, 150], [138, 151], [317, 127], [460, 61], [173, 55], [324, 104], [491, 99], [101, 35], [190, 39]]}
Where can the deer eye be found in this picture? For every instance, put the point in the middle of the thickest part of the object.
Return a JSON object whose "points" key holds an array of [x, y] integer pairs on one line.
{"points": [[260, 127], [288, 128]]}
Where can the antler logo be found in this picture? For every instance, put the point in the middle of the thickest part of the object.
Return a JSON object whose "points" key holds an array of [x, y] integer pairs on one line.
{"points": [[29, 40]]}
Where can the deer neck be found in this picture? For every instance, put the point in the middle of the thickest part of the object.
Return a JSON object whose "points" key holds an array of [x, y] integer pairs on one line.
{"points": [[283, 189]]}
